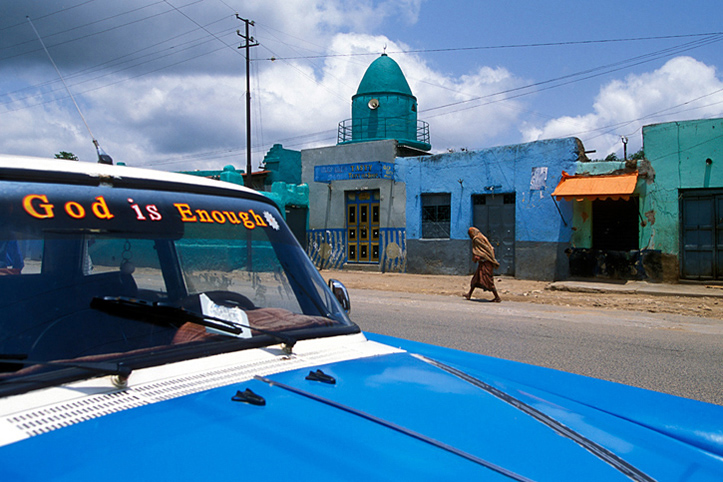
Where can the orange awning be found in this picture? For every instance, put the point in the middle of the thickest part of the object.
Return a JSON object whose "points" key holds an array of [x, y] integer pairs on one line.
{"points": [[613, 186]]}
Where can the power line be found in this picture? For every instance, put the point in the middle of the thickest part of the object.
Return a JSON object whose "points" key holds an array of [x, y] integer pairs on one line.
{"points": [[48, 14], [125, 79], [594, 72], [103, 158], [117, 61], [109, 29], [510, 46], [175, 52], [609, 129], [703, 39], [78, 27]]}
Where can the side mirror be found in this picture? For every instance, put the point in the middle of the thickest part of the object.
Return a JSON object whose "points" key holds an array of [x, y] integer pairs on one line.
{"points": [[339, 290]]}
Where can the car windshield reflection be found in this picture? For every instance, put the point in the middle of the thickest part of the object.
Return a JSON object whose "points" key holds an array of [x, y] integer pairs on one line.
{"points": [[231, 259]]}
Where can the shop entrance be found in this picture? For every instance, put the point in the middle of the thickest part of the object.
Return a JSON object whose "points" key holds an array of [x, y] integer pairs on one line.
{"points": [[362, 226], [615, 224]]}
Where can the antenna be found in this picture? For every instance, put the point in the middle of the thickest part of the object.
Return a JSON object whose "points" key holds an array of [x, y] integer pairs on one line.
{"points": [[103, 158]]}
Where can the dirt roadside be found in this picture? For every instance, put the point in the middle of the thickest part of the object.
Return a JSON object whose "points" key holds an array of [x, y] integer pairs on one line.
{"points": [[512, 289]]}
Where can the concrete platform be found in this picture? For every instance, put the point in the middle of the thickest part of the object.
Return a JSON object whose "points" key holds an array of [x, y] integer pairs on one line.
{"points": [[640, 287]]}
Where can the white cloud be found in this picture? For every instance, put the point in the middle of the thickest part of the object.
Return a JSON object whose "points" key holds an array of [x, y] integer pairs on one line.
{"points": [[472, 113], [191, 114], [683, 88], [162, 117], [167, 117], [460, 111]]}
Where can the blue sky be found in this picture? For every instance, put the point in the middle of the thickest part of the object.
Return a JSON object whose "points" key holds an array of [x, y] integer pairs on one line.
{"points": [[161, 82]]}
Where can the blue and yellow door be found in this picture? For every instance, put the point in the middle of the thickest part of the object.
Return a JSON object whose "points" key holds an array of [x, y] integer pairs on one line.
{"points": [[362, 226]]}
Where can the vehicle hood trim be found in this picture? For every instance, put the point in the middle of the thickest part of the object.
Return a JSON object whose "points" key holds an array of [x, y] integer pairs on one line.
{"points": [[594, 448], [391, 425]]}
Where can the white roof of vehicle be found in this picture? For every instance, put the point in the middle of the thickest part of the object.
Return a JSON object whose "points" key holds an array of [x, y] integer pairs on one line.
{"points": [[104, 170]]}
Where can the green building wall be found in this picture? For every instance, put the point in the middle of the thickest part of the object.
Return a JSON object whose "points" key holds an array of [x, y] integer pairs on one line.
{"points": [[682, 155], [284, 194], [283, 165], [685, 156]]}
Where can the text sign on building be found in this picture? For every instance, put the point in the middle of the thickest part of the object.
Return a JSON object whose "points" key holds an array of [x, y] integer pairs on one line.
{"points": [[357, 170]]}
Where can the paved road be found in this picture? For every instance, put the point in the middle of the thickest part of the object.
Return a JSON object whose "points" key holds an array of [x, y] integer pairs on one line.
{"points": [[675, 354]]}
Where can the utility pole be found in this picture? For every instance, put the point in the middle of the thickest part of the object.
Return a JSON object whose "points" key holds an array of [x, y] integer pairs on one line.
{"points": [[249, 42]]}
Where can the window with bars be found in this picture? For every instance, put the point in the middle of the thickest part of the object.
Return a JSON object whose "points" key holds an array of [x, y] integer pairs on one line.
{"points": [[436, 215]]}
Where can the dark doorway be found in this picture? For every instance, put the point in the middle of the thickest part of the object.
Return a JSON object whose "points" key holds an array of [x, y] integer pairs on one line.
{"points": [[494, 215], [296, 217], [615, 225], [701, 213]]}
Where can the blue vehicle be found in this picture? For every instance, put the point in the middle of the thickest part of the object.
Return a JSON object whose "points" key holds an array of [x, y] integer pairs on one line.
{"points": [[169, 327]]}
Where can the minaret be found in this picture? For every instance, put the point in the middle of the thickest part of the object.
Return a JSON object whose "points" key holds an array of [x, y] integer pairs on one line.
{"points": [[385, 108]]}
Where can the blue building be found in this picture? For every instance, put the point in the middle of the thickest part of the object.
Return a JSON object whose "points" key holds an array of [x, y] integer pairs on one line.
{"points": [[505, 192], [379, 201]]}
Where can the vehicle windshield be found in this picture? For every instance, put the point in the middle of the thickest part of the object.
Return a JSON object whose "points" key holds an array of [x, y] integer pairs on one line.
{"points": [[90, 272]]}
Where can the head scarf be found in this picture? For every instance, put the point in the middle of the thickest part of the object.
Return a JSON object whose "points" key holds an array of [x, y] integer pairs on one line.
{"points": [[481, 247]]}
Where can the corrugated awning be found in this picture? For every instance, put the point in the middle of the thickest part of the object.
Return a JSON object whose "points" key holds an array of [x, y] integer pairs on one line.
{"points": [[614, 186]]}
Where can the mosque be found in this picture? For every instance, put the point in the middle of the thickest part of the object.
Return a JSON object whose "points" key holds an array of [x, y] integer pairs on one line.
{"points": [[380, 201], [358, 214]]}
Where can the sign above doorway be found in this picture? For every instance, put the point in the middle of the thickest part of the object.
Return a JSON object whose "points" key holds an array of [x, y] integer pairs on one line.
{"points": [[356, 170]]}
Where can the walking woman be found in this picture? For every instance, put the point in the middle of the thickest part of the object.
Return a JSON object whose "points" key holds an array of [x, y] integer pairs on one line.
{"points": [[484, 255]]}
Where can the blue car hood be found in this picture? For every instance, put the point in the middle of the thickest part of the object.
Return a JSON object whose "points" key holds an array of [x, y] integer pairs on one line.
{"points": [[390, 417]]}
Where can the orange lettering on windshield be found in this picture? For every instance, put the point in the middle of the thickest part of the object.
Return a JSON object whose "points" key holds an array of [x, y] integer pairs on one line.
{"points": [[185, 211], [41, 210], [249, 218], [100, 209], [74, 210]]}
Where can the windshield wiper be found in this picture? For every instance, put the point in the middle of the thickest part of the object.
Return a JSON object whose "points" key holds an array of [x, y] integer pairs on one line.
{"points": [[139, 309], [120, 371]]}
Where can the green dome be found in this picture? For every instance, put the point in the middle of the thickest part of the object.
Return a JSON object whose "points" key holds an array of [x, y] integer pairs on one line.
{"points": [[384, 76]]}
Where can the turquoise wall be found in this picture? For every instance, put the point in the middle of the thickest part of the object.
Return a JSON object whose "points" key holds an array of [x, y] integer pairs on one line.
{"points": [[395, 118], [685, 155], [227, 174], [284, 194], [677, 153], [284, 165]]}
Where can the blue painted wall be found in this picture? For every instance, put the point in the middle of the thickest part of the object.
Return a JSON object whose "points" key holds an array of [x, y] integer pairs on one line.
{"points": [[542, 227]]}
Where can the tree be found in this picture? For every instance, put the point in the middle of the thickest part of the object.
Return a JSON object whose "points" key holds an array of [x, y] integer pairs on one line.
{"points": [[66, 155], [638, 155], [612, 157]]}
